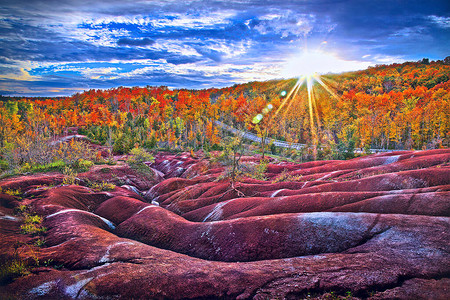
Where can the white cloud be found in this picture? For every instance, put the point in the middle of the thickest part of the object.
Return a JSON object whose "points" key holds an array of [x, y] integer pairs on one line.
{"points": [[387, 59], [211, 19], [285, 23], [185, 20], [22, 75], [99, 73], [443, 22], [409, 32]]}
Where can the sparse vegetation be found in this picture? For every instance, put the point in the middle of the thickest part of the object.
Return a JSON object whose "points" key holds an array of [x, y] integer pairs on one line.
{"points": [[285, 176], [136, 161], [12, 267], [70, 176], [32, 228], [13, 192], [139, 156], [102, 186], [230, 156], [39, 242], [32, 223]]}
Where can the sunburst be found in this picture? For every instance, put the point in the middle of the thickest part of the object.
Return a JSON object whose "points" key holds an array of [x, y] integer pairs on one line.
{"points": [[307, 68]]}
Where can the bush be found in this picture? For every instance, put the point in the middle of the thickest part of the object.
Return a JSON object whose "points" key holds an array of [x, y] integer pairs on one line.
{"points": [[139, 155], [286, 177], [34, 151], [122, 144], [70, 176], [12, 268], [256, 171], [32, 225], [102, 186], [39, 154], [82, 165], [3, 165], [73, 151]]}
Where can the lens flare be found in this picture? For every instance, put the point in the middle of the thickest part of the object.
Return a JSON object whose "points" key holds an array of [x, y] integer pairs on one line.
{"points": [[309, 71], [257, 119]]}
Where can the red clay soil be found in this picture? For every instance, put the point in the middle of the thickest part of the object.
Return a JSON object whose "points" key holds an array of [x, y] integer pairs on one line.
{"points": [[377, 227]]}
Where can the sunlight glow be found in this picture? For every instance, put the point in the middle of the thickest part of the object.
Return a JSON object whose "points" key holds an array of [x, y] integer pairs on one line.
{"points": [[307, 69], [311, 62]]}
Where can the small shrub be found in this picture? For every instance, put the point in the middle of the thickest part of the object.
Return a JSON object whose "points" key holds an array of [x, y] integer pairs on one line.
{"points": [[285, 176], [82, 165], [3, 165], [261, 169], [102, 186], [32, 222], [12, 268], [73, 151], [33, 219], [39, 242], [21, 209], [139, 155], [70, 176], [33, 229], [255, 171], [111, 161], [12, 192]]}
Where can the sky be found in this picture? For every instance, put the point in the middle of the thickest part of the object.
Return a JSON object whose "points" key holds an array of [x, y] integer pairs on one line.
{"points": [[60, 47]]}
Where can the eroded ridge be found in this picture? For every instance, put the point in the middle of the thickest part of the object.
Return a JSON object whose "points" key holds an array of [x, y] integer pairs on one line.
{"points": [[376, 227]]}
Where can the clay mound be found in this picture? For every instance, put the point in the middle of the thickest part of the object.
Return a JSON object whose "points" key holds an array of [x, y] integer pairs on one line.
{"points": [[377, 227], [413, 202], [23, 183], [120, 174], [251, 239], [120, 208]]}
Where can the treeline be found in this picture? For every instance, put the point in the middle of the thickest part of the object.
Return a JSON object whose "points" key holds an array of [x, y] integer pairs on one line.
{"points": [[393, 106]]}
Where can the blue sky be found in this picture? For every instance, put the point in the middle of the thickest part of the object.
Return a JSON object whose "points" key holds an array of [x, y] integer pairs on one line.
{"points": [[59, 47]]}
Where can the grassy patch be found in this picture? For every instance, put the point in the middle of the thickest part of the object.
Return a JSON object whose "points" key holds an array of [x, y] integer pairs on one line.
{"points": [[12, 192], [39, 242], [70, 177], [11, 268], [32, 223], [33, 229], [57, 165], [286, 177], [102, 186]]}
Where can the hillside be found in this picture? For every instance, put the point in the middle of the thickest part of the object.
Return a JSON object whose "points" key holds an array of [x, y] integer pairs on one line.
{"points": [[399, 106], [139, 193]]}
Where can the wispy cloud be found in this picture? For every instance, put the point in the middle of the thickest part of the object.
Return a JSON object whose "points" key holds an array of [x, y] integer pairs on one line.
{"points": [[49, 47], [443, 22]]}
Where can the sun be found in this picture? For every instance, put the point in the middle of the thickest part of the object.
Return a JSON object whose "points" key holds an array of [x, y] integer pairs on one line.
{"points": [[311, 62], [307, 67]]}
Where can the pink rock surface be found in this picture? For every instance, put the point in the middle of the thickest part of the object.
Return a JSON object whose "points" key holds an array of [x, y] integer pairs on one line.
{"points": [[376, 226]]}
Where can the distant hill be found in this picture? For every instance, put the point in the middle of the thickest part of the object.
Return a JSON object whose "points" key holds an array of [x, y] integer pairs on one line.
{"points": [[397, 106]]}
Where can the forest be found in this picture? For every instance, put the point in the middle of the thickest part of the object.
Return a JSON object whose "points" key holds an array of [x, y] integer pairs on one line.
{"points": [[397, 106]]}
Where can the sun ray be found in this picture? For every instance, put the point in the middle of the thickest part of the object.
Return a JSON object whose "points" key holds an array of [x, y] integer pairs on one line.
{"points": [[319, 80], [294, 89], [295, 94], [316, 110], [311, 118]]}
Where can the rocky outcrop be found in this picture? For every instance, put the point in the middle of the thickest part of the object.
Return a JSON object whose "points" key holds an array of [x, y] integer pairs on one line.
{"points": [[375, 227]]}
